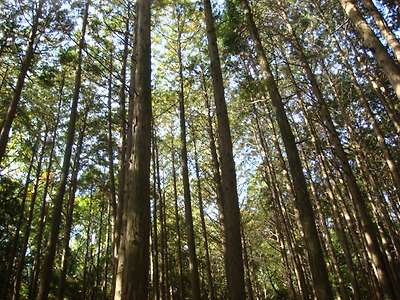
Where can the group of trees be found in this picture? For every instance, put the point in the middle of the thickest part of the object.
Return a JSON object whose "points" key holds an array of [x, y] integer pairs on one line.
{"points": [[197, 150]]}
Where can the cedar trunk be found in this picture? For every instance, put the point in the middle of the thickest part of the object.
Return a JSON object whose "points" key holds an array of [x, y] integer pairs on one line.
{"points": [[47, 271], [137, 208], [233, 245], [303, 204]]}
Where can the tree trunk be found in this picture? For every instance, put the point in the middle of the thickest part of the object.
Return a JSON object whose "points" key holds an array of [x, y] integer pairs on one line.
{"points": [[233, 245], [302, 200], [155, 276], [123, 162], [87, 249], [194, 272], [271, 180], [137, 208], [215, 162], [5, 285], [383, 27], [28, 224], [43, 209], [177, 225], [203, 227], [47, 270], [26, 63], [70, 209], [385, 61], [104, 285]]}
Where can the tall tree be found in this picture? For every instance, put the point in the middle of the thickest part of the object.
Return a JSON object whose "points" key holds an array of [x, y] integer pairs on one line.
{"points": [[26, 64], [47, 269], [302, 199], [385, 61], [233, 245], [137, 209], [194, 272]]}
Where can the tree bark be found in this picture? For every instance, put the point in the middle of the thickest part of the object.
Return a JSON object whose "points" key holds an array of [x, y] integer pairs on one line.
{"points": [[177, 225], [233, 245], [5, 285], [43, 209], [21, 262], [47, 270], [385, 61], [302, 200], [26, 63], [122, 166], [386, 32], [210, 279], [137, 209], [193, 265], [70, 210]]}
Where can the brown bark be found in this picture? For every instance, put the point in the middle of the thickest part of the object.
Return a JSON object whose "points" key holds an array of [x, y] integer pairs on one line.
{"points": [[233, 247], [70, 210], [369, 230], [28, 223], [215, 162], [302, 200], [47, 270], [177, 226], [118, 247], [193, 266], [26, 63], [210, 279], [386, 32], [385, 61], [137, 208], [281, 212], [43, 209], [155, 276], [87, 248], [6, 282]]}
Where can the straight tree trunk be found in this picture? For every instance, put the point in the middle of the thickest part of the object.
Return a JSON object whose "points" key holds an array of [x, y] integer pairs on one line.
{"points": [[47, 270], [215, 162], [28, 224], [26, 64], [154, 234], [43, 209], [104, 285], [386, 32], [247, 271], [303, 204], [210, 279], [6, 282], [87, 249], [371, 118], [122, 166], [233, 245], [137, 208], [70, 210], [177, 225], [113, 192], [193, 266], [336, 215], [163, 227], [271, 180], [385, 61]]}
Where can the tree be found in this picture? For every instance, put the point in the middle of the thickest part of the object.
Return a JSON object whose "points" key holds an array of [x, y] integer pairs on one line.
{"points": [[47, 270], [385, 61], [303, 203], [137, 206], [26, 63], [233, 246]]}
